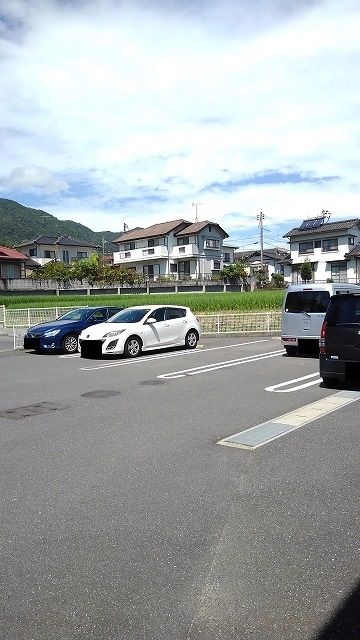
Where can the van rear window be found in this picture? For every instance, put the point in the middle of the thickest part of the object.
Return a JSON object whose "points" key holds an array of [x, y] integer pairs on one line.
{"points": [[308, 301], [344, 310]]}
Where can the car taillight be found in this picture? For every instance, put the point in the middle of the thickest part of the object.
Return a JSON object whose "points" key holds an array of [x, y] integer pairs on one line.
{"points": [[322, 337]]}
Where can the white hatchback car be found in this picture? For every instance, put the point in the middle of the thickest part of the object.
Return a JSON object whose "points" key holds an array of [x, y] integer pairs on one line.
{"points": [[141, 328]]}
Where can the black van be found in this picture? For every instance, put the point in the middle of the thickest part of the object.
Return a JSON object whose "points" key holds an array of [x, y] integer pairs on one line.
{"points": [[340, 340]]}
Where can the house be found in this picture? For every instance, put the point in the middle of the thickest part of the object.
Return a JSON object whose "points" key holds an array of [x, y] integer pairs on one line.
{"points": [[178, 249], [65, 249], [275, 260], [12, 264], [333, 249]]}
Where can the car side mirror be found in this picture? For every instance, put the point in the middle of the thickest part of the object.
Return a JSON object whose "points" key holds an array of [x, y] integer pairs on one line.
{"points": [[150, 321]]}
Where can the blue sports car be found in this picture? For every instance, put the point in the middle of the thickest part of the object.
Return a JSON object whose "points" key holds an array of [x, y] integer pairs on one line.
{"points": [[62, 334]]}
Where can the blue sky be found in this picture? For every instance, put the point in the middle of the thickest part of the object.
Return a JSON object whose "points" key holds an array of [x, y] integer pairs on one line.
{"points": [[128, 112]]}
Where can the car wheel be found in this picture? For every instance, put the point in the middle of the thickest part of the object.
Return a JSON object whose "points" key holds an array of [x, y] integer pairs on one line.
{"points": [[132, 347], [291, 351], [70, 343], [191, 339], [330, 382]]}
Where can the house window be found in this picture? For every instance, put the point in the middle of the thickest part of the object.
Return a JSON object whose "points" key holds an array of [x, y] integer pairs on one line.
{"points": [[184, 269], [330, 245], [49, 254], [210, 228], [351, 240], [173, 268], [33, 252], [151, 270], [338, 271], [306, 247], [66, 256], [127, 254], [183, 240], [317, 244], [217, 264], [181, 249], [10, 269], [226, 257], [129, 246], [153, 242], [81, 254], [211, 243]]}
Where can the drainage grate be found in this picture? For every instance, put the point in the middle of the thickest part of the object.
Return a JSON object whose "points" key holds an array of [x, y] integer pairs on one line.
{"points": [[30, 410], [100, 393]]}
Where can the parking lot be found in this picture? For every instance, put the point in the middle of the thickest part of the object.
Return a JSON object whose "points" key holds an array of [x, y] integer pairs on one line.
{"points": [[133, 509]]}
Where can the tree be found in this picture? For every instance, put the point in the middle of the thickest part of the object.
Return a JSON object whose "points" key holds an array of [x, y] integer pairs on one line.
{"points": [[235, 272], [277, 280], [89, 269], [306, 272], [57, 271]]}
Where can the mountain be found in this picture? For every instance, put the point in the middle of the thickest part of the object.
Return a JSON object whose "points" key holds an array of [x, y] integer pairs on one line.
{"points": [[19, 223]]}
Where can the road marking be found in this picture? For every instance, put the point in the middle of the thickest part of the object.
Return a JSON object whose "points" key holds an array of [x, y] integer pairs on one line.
{"points": [[266, 432], [199, 346], [145, 358], [276, 388], [219, 365]]}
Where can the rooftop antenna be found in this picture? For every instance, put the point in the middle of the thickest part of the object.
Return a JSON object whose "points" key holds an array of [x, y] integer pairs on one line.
{"points": [[196, 204]]}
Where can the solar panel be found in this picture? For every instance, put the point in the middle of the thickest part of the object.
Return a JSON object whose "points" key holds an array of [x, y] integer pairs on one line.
{"points": [[313, 223]]}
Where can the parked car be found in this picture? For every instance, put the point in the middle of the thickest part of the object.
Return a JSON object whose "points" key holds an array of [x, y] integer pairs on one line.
{"points": [[62, 334], [340, 340], [303, 314], [141, 328]]}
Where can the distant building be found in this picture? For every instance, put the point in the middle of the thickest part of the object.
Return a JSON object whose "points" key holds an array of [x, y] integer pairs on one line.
{"points": [[178, 249], [65, 249], [332, 248], [12, 264], [275, 260]]}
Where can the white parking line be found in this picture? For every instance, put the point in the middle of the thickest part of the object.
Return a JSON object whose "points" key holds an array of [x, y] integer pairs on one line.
{"points": [[145, 358], [266, 432], [220, 365], [276, 388]]}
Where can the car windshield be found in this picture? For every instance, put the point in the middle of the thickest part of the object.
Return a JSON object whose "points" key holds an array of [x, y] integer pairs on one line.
{"points": [[74, 314], [129, 315], [307, 301]]}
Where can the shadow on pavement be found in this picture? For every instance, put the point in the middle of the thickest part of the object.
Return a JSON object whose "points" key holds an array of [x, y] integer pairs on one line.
{"points": [[345, 623]]}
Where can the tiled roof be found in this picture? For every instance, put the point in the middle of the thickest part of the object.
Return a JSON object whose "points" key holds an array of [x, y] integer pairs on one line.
{"points": [[12, 254], [195, 227], [276, 253], [341, 225], [59, 240], [161, 229], [354, 252]]}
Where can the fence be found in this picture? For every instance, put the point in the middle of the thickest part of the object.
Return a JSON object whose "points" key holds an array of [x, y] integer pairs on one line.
{"points": [[29, 317], [215, 324]]}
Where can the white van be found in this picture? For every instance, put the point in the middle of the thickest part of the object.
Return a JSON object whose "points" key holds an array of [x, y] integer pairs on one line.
{"points": [[303, 314]]}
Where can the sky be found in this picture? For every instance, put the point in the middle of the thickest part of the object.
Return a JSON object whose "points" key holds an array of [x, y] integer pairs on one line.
{"points": [[117, 112]]}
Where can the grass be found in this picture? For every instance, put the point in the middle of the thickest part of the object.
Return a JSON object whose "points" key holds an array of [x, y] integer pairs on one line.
{"points": [[198, 302]]}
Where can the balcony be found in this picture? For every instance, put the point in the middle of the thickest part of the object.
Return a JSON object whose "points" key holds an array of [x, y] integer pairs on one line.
{"points": [[140, 255], [184, 251]]}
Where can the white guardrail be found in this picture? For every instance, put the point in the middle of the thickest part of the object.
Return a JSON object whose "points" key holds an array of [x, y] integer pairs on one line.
{"points": [[267, 322]]}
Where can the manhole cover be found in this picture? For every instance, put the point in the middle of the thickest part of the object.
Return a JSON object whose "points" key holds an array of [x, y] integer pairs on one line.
{"points": [[152, 383], [30, 410], [100, 393]]}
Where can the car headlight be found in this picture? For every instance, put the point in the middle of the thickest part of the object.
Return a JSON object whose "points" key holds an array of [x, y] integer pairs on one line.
{"points": [[50, 334], [111, 334]]}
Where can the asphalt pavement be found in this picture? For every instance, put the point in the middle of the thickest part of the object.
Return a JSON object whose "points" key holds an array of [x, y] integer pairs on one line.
{"points": [[123, 518]]}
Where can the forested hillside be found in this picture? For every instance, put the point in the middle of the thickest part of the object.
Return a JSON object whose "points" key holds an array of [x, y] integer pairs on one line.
{"points": [[19, 223]]}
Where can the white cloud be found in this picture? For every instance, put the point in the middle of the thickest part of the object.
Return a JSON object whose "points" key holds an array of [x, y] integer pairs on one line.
{"points": [[133, 108]]}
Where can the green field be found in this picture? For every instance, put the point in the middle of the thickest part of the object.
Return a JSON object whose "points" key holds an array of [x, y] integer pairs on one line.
{"points": [[198, 302]]}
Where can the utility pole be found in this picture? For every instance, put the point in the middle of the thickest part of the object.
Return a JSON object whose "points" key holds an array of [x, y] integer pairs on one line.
{"points": [[196, 204], [261, 217]]}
